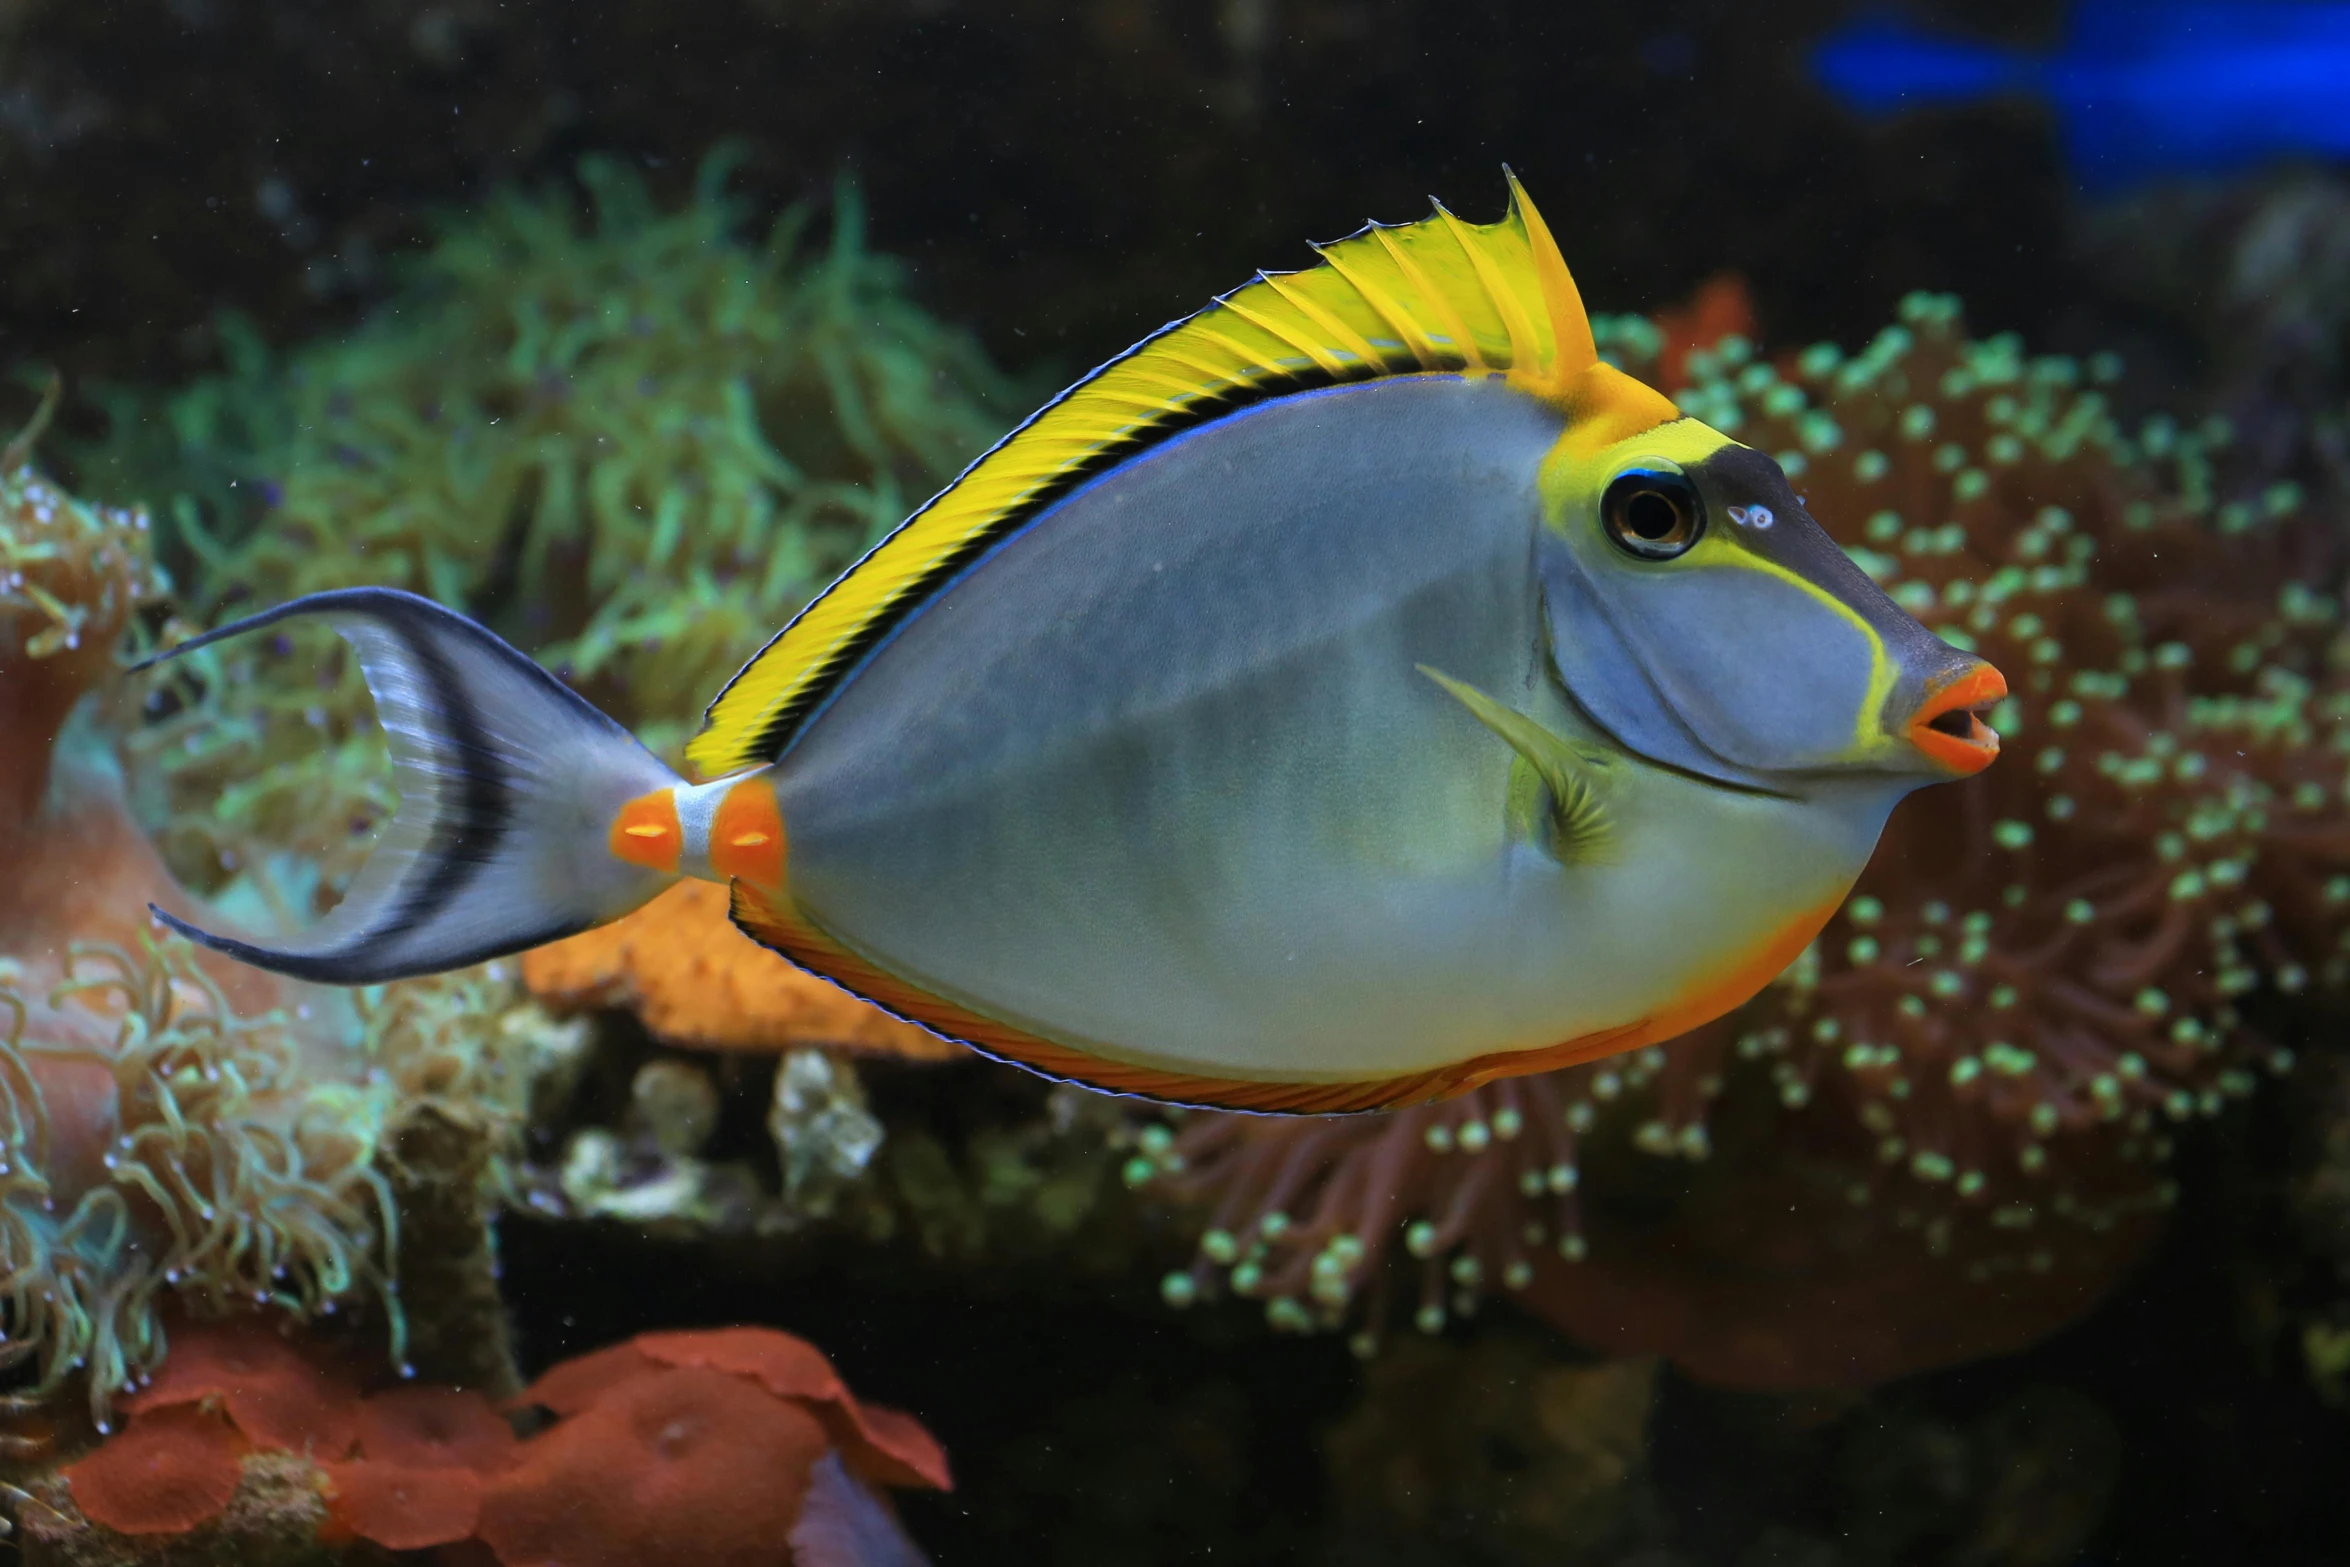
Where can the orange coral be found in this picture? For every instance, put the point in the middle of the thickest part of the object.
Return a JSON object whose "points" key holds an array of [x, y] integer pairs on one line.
{"points": [[699, 983], [170, 1472], [881, 1444]]}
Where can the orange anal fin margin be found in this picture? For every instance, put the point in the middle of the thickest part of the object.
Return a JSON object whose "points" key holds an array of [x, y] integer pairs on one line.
{"points": [[783, 930]]}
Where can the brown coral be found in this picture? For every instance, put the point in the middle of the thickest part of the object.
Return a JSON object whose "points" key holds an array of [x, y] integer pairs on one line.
{"points": [[700, 984], [1946, 1123]]}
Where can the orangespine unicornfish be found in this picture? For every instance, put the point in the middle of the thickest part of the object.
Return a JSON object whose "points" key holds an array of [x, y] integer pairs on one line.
{"points": [[1354, 692]]}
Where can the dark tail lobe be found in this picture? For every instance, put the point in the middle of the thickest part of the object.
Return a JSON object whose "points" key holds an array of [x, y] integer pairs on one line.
{"points": [[508, 781]]}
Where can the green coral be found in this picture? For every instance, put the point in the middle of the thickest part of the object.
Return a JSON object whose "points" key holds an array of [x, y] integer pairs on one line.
{"points": [[638, 443], [230, 1173]]}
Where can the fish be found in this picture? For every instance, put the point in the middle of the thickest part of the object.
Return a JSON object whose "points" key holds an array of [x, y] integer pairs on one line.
{"points": [[1352, 693], [2141, 87]]}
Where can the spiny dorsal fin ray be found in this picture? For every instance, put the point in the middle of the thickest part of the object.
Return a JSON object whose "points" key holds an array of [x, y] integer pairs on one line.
{"points": [[1437, 295]]}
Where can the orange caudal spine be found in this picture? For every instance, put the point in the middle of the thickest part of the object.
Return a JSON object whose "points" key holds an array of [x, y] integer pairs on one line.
{"points": [[646, 832], [746, 833]]}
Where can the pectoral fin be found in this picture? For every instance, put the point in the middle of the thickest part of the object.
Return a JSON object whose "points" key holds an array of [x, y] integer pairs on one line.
{"points": [[1571, 823]]}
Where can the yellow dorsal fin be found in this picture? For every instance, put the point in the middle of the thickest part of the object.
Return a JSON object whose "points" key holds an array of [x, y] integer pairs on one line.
{"points": [[1439, 295]]}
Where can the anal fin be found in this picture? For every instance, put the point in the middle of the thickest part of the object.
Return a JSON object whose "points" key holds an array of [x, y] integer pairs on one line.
{"points": [[774, 924]]}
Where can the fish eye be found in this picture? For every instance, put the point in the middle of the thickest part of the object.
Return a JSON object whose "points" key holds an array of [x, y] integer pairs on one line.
{"points": [[1653, 513]]}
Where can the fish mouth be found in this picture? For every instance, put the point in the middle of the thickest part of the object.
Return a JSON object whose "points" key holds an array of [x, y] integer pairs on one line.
{"points": [[1949, 727]]}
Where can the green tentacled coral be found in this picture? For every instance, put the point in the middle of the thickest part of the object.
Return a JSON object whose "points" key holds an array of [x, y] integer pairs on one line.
{"points": [[173, 1126], [635, 445], [189, 1152], [634, 442]]}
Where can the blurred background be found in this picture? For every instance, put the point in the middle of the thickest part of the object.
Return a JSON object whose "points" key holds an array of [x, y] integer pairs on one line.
{"points": [[1062, 177]]}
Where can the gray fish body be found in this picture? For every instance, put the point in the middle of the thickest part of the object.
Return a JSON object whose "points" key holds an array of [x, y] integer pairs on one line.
{"points": [[1162, 776]]}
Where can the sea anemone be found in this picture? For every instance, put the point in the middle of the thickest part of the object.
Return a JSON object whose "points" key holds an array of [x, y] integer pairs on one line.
{"points": [[168, 1124], [175, 1126], [1974, 1070], [634, 444]]}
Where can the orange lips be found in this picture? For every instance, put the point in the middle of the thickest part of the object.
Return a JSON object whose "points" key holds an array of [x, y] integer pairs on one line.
{"points": [[1948, 727]]}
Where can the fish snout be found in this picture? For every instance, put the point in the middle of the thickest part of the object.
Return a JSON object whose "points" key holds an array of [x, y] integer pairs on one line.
{"points": [[1949, 725]]}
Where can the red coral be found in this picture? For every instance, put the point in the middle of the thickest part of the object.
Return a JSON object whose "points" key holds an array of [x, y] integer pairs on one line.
{"points": [[880, 1444], [170, 1472], [426, 1455], [277, 1395], [786, 1366], [436, 1428], [682, 1464], [698, 1446], [400, 1506]]}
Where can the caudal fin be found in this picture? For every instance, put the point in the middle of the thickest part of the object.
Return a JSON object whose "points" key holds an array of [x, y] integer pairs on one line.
{"points": [[509, 783]]}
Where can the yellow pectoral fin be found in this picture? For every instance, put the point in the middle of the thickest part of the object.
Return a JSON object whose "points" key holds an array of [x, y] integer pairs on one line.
{"points": [[1577, 826]]}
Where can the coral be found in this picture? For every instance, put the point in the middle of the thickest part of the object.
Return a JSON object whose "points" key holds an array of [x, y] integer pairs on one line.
{"points": [[273, 1393], [879, 1444], [965, 1160], [188, 1452], [462, 1055], [704, 1445], [824, 1136], [434, 1428], [401, 1507], [72, 576], [712, 1446], [175, 1125], [1721, 308], [271, 1520], [166, 1474], [698, 983], [690, 1463], [1942, 1132], [822, 1130]]}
